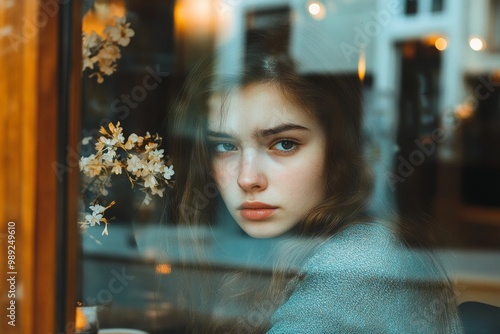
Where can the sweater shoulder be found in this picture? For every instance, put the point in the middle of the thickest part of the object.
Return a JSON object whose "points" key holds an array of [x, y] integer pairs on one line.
{"points": [[370, 248]]}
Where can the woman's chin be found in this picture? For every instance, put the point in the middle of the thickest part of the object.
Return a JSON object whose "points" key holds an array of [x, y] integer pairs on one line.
{"points": [[263, 229]]}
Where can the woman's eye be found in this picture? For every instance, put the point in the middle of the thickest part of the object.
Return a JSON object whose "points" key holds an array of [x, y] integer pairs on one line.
{"points": [[224, 147], [285, 145]]}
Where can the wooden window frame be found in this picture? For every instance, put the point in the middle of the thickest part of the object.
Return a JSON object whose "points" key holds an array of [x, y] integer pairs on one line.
{"points": [[39, 133]]}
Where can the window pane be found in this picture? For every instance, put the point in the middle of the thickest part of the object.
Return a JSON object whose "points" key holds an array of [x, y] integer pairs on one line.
{"points": [[250, 166]]}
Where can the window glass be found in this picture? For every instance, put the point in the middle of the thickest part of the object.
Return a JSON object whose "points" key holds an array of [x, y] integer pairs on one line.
{"points": [[250, 166]]}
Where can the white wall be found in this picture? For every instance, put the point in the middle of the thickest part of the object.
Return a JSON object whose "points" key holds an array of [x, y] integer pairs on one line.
{"points": [[330, 45], [479, 62]]}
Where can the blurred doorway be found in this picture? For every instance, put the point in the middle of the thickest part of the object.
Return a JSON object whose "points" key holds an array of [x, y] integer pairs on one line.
{"points": [[418, 117]]}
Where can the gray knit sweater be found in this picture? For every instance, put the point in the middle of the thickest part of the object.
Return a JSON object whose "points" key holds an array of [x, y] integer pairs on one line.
{"points": [[364, 281]]}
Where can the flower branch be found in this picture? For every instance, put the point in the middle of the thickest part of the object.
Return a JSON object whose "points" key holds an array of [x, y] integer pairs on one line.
{"points": [[139, 158], [100, 53]]}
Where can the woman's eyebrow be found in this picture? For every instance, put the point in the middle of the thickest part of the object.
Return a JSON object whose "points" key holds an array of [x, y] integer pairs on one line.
{"points": [[280, 128], [216, 134]]}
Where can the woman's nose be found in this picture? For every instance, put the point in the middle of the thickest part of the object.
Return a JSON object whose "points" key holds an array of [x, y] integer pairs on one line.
{"points": [[251, 175]]}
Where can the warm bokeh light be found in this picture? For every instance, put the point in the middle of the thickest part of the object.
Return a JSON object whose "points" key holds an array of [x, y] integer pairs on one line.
{"points": [[101, 15], [409, 50], [314, 8], [194, 17], [80, 320], [437, 41], [317, 10], [362, 66], [495, 77], [163, 269], [441, 43], [476, 44], [464, 111]]}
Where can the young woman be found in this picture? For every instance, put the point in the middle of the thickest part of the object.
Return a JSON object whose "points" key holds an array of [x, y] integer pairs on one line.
{"points": [[285, 154]]}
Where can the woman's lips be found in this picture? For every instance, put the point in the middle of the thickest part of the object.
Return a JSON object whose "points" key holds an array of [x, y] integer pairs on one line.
{"points": [[256, 210]]}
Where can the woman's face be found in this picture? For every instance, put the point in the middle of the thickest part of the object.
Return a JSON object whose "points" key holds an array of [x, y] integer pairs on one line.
{"points": [[268, 159]]}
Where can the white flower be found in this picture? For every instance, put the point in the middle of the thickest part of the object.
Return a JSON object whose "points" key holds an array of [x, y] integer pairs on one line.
{"points": [[83, 163], [117, 169], [147, 199], [168, 172], [108, 156], [154, 167], [121, 33], [109, 52], [132, 140], [155, 155], [150, 146], [90, 41], [120, 138], [108, 141], [117, 132], [150, 182], [113, 33], [107, 66], [129, 145], [90, 166], [97, 208], [134, 164], [156, 191], [105, 50], [86, 140], [143, 172], [93, 219]]}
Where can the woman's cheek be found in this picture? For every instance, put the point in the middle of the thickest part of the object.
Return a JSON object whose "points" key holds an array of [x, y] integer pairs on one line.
{"points": [[224, 171], [310, 176]]}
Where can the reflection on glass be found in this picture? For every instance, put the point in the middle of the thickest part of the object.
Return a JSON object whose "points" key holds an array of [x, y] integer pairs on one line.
{"points": [[86, 320], [427, 136]]}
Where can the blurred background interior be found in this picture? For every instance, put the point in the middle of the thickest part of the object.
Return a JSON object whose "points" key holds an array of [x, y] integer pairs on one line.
{"points": [[428, 72]]}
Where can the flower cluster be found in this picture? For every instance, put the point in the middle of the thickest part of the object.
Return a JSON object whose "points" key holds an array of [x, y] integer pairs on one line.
{"points": [[96, 217], [100, 53], [139, 157]]}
